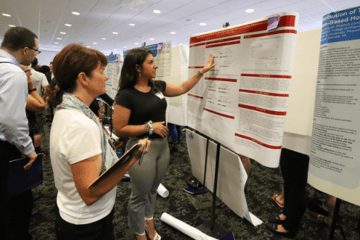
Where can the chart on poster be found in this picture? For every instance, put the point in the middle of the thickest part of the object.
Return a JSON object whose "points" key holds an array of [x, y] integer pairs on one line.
{"points": [[242, 102]]}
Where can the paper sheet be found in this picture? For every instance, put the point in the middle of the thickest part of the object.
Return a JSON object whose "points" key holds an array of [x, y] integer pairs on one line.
{"points": [[184, 228]]}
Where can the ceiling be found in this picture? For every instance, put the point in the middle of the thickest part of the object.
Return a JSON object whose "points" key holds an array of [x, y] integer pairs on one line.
{"points": [[98, 19]]}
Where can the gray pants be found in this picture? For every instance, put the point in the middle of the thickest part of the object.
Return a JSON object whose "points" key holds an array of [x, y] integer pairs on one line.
{"points": [[145, 180]]}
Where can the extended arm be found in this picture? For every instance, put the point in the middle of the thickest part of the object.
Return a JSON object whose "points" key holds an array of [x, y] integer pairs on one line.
{"points": [[87, 171], [173, 90], [35, 102]]}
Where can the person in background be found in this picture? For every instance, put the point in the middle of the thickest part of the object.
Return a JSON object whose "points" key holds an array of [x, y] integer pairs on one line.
{"points": [[246, 162], [294, 168], [140, 112], [19, 46], [50, 88], [40, 83], [35, 103], [80, 150], [44, 69]]}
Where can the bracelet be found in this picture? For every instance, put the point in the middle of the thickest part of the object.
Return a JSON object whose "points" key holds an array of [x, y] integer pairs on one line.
{"points": [[149, 128], [31, 90], [201, 74]]}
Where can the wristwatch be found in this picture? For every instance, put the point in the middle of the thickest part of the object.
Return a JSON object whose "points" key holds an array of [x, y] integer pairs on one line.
{"points": [[32, 90], [149, 127]]}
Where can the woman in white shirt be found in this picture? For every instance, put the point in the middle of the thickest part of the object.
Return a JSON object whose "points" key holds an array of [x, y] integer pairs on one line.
{"points": [[79, 148]]}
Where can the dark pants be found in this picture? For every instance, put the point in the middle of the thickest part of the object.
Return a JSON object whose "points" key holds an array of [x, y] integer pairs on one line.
{"points": [[15, 212], [294, 168], [99, 230]]}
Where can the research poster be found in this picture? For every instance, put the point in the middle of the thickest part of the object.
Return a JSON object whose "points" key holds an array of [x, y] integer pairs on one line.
{"points": [[162, 56], [112, 70], [242, 103], [335, 145]]}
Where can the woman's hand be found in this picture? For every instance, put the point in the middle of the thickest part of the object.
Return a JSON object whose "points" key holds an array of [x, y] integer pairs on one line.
{"points": [[159, 128], [145, 143], [209, 65]]}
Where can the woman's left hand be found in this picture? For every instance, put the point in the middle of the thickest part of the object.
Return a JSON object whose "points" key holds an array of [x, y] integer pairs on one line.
{"points": [[209, 65]]}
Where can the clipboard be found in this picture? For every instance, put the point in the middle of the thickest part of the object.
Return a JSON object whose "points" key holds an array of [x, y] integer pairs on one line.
{"points": [[121, 161], [21, 180]]}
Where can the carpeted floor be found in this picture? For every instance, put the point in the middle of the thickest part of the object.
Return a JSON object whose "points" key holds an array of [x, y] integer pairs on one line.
{"points": [[262, 184]]}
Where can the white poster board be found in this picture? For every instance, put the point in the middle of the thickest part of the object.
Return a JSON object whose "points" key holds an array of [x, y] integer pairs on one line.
{"points": [[113, 70], [335, 147], [232, 176], [242, 103], [176, 110]]}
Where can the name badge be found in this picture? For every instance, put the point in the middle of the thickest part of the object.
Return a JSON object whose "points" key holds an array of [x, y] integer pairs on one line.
{"points": [[159, 95]]}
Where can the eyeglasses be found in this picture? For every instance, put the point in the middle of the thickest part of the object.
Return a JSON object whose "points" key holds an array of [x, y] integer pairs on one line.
{"points": [[36, 50]]}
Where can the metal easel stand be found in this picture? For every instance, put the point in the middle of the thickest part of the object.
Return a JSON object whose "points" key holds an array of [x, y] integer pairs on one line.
{"points": [[334, 221], [211, 228]]}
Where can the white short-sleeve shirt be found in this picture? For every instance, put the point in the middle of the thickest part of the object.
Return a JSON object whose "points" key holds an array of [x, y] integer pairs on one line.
{"points": [[75, 137]]}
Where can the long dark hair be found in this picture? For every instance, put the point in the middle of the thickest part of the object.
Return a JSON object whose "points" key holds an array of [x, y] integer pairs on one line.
{"points": [[72, 60], [129, 74]]}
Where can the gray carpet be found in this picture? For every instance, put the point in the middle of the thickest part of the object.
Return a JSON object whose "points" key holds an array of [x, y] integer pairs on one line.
{"points": [[262, 184]]}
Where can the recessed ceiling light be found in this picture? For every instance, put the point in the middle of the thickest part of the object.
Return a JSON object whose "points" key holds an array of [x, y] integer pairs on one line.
{"points": [[59, 38], [67, 24], [202, 24], [75, 13], [6, 15], [62, 32], [56, 42], [94, 42], [12, 25], [103, 38], [249, 10], [136, 43], [124, 46], [152, 39], [115, 33], [132, 24], [172, 32], [88, 46], [157, 11]]}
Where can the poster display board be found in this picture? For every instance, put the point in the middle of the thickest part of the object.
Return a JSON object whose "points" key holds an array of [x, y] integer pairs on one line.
{"points": [[242, 103], [176, 110], [232, 175], [162, 56], [334, 154], [112, 70]]}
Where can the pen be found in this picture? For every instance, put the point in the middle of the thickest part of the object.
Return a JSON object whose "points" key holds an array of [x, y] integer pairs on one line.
{"points": [[142, 155]]}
